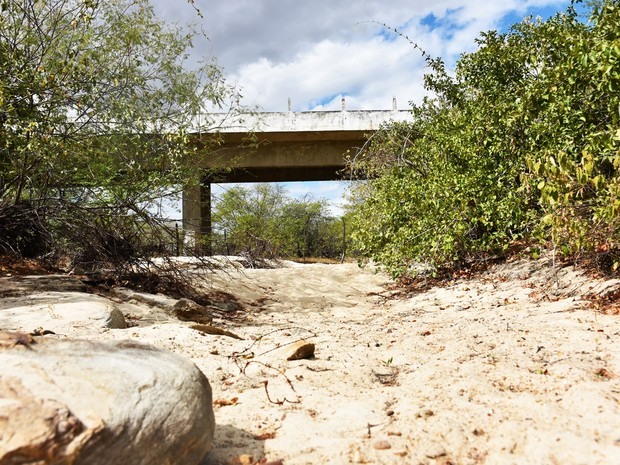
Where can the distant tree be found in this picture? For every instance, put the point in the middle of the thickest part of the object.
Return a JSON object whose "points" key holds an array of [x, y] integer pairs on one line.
{"points": [[264, 222], [96, 104], [249, 218], [308, 230]]}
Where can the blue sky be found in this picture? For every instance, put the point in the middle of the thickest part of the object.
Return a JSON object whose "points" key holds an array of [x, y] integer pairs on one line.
{"points": [[317, 52]]}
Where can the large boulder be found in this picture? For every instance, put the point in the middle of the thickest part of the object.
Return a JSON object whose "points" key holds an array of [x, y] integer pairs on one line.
{"points": [[56, 303], [83, 402]]}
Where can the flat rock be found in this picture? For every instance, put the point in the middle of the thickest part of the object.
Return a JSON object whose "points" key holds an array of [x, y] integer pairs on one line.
{"points": [[84, 402], [24, 285], [59, 312], [300, 350], [153, 300], [188, 310]]}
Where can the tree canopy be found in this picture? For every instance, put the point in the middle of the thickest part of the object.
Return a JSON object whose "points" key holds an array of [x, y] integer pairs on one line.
{"points": [[262, 221], [96, 102]]}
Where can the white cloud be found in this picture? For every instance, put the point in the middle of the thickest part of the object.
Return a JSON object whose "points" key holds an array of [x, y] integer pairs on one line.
{"points": [[367, 72], [275, 49], [314, 57]]}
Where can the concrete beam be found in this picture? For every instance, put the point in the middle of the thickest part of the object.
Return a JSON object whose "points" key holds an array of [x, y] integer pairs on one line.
{"points": [[309, 121], [285, 174], [281, 153]]}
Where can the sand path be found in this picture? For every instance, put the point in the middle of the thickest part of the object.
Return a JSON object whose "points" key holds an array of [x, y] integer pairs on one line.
{"points": [[513, 366]]}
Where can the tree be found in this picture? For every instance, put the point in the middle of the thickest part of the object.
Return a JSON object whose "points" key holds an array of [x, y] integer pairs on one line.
{"points": [[573, 116], [264, 222], [96, 104], [249, 219], [522, 142], [309, 230], [445, 188]]}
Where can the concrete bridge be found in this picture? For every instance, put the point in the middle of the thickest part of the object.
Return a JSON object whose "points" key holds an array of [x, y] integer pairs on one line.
{"points": [[277, 147]]}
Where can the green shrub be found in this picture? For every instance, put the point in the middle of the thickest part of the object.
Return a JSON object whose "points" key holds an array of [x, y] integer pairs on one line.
{"points": [[523, 141]]}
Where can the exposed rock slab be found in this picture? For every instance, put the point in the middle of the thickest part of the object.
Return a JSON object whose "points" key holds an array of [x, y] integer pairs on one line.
{"points": [[184, 309], [83, 402], [59, 311], [152, 300], [16, 286]]}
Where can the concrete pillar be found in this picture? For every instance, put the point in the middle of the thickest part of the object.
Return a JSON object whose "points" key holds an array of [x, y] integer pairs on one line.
{"points": [[197, 216], [205, 216]]}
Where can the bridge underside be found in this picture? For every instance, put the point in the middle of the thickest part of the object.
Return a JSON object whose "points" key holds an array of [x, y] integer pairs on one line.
{"points": [[269, 157]]}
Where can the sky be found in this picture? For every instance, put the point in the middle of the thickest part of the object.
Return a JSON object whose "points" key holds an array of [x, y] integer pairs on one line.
{"points": [[317, 51]]}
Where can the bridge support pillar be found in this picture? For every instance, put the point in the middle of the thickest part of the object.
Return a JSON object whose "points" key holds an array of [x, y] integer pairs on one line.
{"points": [[197, 217]]}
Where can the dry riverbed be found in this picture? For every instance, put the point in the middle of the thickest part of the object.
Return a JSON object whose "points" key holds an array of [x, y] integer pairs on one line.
{"points": [[512, 366]]}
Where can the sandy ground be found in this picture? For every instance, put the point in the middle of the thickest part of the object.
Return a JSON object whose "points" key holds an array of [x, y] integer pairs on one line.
{"points": [[510, 367]]}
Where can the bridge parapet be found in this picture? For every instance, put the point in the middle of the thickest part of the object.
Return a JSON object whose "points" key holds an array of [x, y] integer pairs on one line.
{"points": [[307, 121]]}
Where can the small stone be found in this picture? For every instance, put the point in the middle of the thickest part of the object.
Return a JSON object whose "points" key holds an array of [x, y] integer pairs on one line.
{"points": [[425, 413], [227, 307], [188, 310], [603, 373], [244, 459], [382, 445], [184, 303], [300, 350]]}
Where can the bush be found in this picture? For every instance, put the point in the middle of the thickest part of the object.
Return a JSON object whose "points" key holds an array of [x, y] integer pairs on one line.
{"points": [[96, 103], [522, 142]]}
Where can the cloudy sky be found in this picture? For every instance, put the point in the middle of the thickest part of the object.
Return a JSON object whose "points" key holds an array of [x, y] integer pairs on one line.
{"points": [[317, 51]]}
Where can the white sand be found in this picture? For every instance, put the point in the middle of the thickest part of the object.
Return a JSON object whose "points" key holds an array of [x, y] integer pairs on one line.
{"points": [[510, 367]]}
